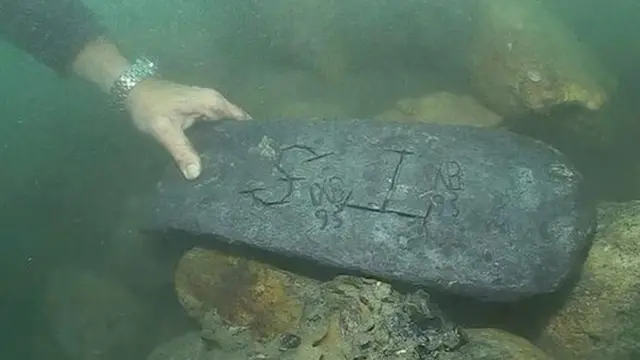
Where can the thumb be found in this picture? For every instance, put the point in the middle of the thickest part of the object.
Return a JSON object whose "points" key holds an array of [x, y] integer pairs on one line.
{"points": [[172, 137]]}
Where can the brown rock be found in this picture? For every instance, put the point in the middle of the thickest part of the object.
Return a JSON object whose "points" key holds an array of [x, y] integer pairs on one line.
{"points": [[250, 309], [601, 319], [443, 108], [496, 344], [243, 292], [293, 318], [524, 59]]}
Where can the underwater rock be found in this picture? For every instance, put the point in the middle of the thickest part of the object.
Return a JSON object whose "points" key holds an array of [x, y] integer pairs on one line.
{"points": [[524, 59], [601, 318], [243, 293], [358, 318], [477, 212], [496, 344], [443, 108], [346, 317], [189, 346]]}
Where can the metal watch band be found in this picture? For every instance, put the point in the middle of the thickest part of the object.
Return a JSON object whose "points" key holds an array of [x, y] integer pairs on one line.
{"points": [[141, 69]]}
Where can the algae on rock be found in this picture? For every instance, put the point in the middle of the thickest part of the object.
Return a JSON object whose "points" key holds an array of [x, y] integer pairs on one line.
{"points": [[245, 305], [237, 302]]}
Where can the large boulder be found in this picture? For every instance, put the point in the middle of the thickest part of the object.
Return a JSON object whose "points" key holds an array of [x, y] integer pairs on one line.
{"points": [[524, 59]]}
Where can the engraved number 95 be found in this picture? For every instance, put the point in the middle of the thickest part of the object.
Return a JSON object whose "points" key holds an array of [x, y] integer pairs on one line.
{"points": [[327, 218]]}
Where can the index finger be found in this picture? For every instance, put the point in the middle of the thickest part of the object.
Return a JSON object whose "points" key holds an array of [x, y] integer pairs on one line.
{"points": [[178, 145]]}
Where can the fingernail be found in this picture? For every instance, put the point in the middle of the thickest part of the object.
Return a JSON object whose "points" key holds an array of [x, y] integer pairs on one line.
{"points": [[192, 171]]}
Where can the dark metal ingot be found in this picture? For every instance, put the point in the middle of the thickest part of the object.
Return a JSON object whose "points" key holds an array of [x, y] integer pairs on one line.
{"points": [[483, 213]]}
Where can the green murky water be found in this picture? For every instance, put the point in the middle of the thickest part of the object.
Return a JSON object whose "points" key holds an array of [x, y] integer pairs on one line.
{"points": [[73, 168]]}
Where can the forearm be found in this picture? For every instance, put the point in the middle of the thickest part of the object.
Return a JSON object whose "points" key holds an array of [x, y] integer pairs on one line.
{"points": [[101, 63], [54, 32], [64, 35]]}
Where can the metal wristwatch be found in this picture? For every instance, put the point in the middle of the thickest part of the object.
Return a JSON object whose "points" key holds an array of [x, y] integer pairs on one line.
{"points": [[143, 68]]}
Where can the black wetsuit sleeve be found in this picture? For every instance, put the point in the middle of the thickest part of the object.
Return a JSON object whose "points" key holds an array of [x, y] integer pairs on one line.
{"points": [[54, 32]]}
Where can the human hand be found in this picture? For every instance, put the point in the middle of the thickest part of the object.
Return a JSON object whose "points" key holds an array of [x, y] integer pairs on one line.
{"points": [[164, 110]]}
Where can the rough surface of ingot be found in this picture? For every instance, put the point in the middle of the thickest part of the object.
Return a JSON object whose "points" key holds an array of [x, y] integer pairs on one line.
{"points": [[479, 212]]}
